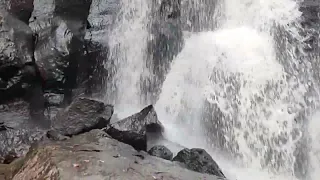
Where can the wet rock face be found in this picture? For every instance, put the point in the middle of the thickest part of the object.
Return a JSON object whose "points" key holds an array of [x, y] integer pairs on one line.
{"points": [[161, 152], [16, 43], [166, 42], [81, 116], [17, 69], [134, 129], [310, 23], [60, 27], [198, 160]]}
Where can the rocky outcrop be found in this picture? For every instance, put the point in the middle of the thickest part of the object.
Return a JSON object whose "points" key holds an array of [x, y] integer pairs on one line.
{"points": [[18, 131], [161, 152], [16, 54], [198, 160], [94, 155], [60, 47], [134, 130]]}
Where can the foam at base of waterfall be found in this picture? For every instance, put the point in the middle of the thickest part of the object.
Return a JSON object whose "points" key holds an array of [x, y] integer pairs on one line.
{"points": [[241, 52]]}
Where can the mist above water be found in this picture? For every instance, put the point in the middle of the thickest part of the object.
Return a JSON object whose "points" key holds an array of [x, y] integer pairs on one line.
{"points": [[241, 85]]}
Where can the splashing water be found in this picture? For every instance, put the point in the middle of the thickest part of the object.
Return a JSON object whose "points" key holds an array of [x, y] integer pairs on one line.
{"points": [[128, 42], [236, 69], [240, 83]]}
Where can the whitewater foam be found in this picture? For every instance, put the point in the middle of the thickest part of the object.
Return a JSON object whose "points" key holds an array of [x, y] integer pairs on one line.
{"points": [[235, 67]]}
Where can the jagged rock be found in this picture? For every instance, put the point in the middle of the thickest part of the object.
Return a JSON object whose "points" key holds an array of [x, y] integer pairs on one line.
{"points": [[102, 19], [103, 14], [95, 156], [136, 140], [161, 152], [16, 54], [60, 27], [198, 160], [81, 116], [94, 68], [134, 129], [16, 43]]}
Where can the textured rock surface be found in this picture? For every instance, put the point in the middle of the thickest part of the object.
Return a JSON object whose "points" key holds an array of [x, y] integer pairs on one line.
{"points": [[134, 130], [198, 160], [82, 115], [18, 132], [16, 51], [161, 152], [60, 49], [95, 156]]}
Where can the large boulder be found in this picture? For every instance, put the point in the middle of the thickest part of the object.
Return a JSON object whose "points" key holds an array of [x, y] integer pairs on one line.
{"points": [[82, 115], [60, 49], [134, 130], [198, 160], [95, 156]]}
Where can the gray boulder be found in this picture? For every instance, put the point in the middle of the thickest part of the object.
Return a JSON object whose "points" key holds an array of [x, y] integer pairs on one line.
{"points": [[198, 160], [134, 130], [81, 116]]}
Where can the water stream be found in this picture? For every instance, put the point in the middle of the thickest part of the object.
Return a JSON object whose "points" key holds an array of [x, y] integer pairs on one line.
{"points": [[242, 87]]}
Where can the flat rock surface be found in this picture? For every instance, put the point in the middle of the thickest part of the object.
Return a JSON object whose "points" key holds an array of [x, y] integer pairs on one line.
{"points": [[95, 156]]}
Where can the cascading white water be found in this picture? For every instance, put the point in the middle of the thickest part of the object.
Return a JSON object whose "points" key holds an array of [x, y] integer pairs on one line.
{"points": [[128, 42], [236, 68]]}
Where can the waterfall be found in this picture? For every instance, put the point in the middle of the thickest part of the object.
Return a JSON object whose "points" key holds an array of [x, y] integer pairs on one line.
{"points": [[244, 87], [127, 42]]}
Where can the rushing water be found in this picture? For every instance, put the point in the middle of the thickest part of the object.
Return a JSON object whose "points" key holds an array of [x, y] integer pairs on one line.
{"points": [[241, 86]]}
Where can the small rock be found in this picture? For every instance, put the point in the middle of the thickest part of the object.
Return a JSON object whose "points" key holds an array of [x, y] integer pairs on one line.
{"points": [[161, 152], [198, 160]]}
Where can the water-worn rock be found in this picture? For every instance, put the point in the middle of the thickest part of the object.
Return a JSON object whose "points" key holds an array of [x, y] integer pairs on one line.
{"points": [[60, 27], [161, 152], [95, 156], [198, 160], [16, 54], [134, 129], [82, 115]]}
